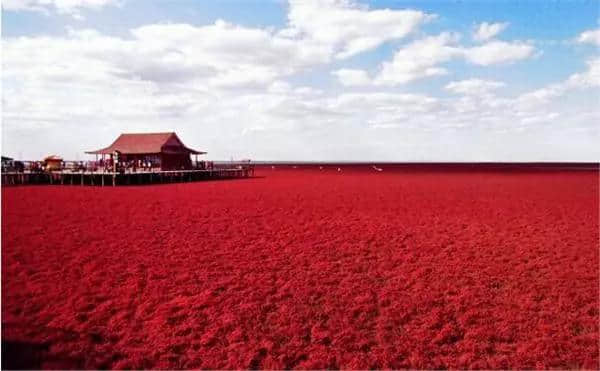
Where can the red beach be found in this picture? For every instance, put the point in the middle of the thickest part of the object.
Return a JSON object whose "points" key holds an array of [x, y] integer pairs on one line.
{"points": [[306, 267]]}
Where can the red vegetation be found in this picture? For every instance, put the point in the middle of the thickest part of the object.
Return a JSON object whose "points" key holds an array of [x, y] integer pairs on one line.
{"points": [[306, 268]]}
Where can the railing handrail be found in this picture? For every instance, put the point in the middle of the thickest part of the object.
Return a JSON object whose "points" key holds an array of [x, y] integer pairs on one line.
{"points": [[95, 165]]}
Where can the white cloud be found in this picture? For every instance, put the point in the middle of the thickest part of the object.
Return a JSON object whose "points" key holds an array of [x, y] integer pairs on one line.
{"points": [[383, 102], [233, 55], [71, 7], [352, 77], [473, 86], [590, 78], [279, 87], [422, 58], [496, 52], [160, 73], [485, 31], [590, 36], [347, 28], [308, 91], [542, 118], [229, 89], [419, 59], [219, 55]]}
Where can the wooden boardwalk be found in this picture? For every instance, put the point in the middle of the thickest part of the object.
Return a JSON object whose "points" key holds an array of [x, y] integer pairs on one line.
{"points": [[99, 178]]}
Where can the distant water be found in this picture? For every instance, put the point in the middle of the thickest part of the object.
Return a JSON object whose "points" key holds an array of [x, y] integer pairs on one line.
{"points": [[439, 165]]}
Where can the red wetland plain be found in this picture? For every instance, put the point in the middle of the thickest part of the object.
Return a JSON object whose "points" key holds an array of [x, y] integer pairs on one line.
{"points": [[306, 268]]}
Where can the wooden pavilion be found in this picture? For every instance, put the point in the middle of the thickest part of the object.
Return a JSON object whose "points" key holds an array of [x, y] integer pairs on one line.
{"points": [[161, 150]]}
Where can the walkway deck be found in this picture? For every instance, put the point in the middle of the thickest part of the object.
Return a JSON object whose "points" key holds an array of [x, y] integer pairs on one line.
{"points": [[128, 178]]}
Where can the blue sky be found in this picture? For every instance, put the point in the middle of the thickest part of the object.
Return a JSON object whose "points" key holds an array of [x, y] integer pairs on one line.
{"points": [[306, 80]]}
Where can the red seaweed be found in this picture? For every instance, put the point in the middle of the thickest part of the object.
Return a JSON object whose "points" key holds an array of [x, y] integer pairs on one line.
{"points": [[306, 268]]}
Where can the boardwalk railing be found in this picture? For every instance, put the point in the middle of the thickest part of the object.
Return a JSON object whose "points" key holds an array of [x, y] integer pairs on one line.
{"points": [[97, 173]]}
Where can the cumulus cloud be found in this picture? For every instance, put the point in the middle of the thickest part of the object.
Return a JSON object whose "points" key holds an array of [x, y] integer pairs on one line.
{"points": [[419, 59], [497, 52], [590, 37], [473, 86], [590, 78], [217, 55], [71, 7], [485, 31], [539, 118], [156, 78], [352, 77], [347, 28], [423, 58], [383, 102], [221, 55], [233, 90]]}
